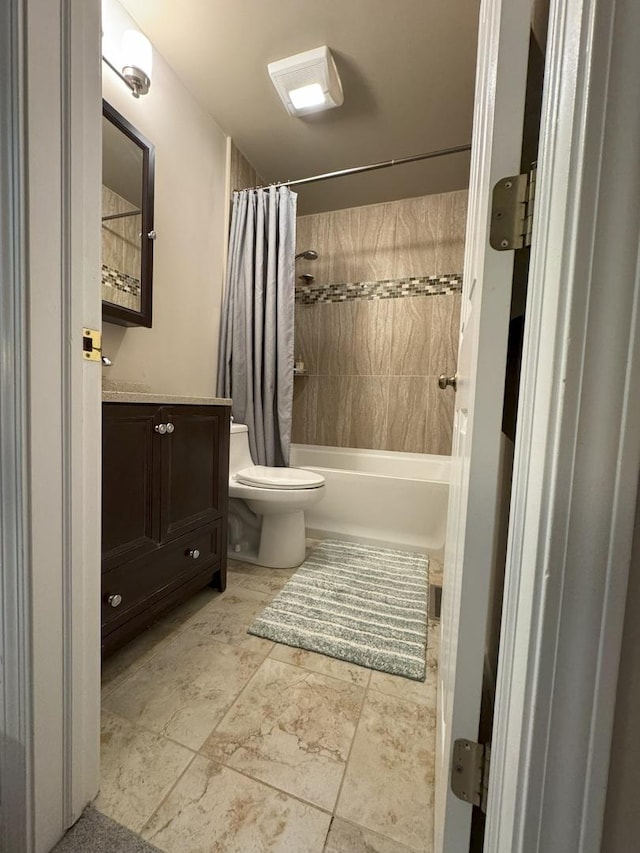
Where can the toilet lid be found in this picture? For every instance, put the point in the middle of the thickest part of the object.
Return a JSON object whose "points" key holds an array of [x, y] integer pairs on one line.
{"points": [[279, 478]]}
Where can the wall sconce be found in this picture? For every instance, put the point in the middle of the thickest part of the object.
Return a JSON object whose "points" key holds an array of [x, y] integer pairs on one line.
{"points": [[138, 57]]}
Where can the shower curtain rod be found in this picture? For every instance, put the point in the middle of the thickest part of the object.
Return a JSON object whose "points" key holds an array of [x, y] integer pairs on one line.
{"points": [[341, 173]]}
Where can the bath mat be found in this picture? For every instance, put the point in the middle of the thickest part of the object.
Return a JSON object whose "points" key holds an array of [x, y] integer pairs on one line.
{"points": [[97, 833], [358, 603]]}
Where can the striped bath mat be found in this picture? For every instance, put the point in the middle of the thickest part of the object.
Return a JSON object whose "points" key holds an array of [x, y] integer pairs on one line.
{"points": [[357, 603]]}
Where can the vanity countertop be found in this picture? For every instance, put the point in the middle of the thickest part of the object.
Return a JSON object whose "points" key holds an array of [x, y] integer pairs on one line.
{"points": [[162, 399]]}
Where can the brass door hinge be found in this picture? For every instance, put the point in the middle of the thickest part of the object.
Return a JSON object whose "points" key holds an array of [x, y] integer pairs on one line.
{"points": [[470, 765], [512, 207], [91, 345]]}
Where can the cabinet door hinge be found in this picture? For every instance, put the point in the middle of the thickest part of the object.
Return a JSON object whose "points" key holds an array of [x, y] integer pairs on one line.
{"points": [[512, 208], [470, 772]]}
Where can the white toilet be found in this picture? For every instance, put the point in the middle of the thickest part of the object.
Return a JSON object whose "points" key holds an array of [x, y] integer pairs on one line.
{"points": [[266, 507]]}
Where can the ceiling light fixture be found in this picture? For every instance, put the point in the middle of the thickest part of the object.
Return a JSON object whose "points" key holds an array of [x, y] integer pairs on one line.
{"points": [[137, 54], [307, 82]]}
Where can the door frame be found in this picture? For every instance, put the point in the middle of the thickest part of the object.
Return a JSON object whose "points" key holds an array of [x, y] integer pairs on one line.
{"points": [[50, 106], [50, 560], [576, 469]]}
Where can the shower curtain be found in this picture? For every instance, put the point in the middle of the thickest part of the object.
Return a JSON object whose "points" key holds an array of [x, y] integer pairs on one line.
{"points": [[255, 364]]}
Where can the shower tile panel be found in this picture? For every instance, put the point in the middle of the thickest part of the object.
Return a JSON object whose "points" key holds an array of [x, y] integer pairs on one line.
{"points": [[373, 373], [452, 216], [378, 233], [373, 327], [439, 422], [431, 285], [379, 323], [337, 325], [344, 232], [352, 411], [398, 239], [407, 416], [369, 403], [412, 337], [417, 233], [333, 411], [307, 337], [445, 324], [305, 407]]}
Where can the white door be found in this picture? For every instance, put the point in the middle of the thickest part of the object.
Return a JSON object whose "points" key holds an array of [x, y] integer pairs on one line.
{"points": [[503, 47]]}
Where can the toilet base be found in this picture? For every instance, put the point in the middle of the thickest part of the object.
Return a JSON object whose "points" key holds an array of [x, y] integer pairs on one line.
{"points": [[282, 540]]}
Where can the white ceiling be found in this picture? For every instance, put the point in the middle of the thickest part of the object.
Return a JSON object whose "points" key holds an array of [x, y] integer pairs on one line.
{"points": [[407, 69]]}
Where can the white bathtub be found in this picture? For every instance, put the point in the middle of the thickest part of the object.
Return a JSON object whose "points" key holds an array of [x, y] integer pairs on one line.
{"points": [[397, 499]]}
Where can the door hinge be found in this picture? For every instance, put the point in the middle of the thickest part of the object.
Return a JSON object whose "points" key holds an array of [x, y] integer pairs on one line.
{"points": [[470, 772], [512, 208], [91, 345]]}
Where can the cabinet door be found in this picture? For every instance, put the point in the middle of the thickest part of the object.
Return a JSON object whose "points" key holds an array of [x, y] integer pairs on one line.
{"points": [[130, 468], [194, 468]]}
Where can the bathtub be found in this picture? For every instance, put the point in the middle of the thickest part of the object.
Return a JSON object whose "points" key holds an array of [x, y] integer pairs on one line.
{"points": [[396, 499]]}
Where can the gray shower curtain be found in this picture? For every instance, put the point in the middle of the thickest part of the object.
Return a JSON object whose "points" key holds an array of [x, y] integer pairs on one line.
{"points": [[255, 364]]}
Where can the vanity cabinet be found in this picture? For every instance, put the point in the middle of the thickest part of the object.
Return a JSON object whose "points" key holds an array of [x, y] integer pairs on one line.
{"points": [[164, 510]]}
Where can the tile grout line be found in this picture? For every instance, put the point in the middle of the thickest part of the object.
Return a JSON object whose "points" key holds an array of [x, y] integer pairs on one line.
{"points": [[365, 693], [166, 797]]}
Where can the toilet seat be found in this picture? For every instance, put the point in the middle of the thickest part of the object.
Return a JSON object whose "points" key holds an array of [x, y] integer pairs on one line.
{"points": [[279, 478]]}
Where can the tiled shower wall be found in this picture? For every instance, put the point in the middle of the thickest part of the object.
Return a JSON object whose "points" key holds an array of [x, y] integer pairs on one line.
{"points": [[373, 363]]}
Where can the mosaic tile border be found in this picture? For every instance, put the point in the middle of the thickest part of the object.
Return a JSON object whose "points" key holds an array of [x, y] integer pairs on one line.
{"points": [[120, 280], [395, 288]]}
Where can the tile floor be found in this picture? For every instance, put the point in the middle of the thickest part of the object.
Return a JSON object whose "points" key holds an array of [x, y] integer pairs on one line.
{"points": [[215, 741]]}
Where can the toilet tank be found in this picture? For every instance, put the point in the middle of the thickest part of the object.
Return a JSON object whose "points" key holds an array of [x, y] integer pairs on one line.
{"points": [[239, 454]]}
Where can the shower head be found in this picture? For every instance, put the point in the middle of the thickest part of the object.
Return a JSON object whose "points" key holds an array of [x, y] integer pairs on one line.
{"points": [[309, 255]]}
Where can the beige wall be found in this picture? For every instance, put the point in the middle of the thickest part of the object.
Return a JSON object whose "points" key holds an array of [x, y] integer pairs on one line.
{"points": [[179, 353], [374, 364]]}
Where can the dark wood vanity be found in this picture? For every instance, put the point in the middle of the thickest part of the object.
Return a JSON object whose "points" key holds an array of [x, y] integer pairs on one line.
{"points": [[164, 510]]}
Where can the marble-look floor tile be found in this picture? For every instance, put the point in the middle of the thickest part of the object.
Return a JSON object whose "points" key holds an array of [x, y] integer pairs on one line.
{"points": [[125, 660], [227, 618], [137, 770], [420, 692], [322, 664], [436, 571], [177, 617], [292, 729], [215, 810], [186, 689], [346, 838], [388, 786], [258, 578]]}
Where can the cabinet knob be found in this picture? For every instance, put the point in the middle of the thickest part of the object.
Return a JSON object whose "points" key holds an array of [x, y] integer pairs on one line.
{"points": [[170, 428], [161, 428], [114, 600], [194, 553]]}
